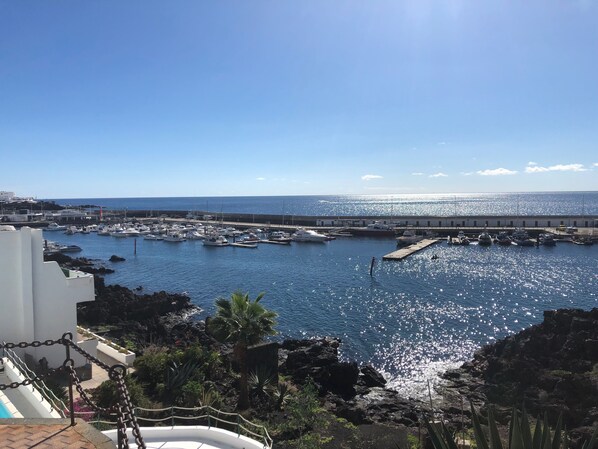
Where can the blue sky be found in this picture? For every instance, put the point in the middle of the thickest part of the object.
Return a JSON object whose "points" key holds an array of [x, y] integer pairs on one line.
{"points": [[196, 98]]}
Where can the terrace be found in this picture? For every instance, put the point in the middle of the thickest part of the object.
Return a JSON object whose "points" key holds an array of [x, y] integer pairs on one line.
{"points": [[48, 422]]}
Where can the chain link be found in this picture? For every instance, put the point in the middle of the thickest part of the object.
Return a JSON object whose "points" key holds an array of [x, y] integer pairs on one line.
{"points": [[34, 344], [31, 380]]}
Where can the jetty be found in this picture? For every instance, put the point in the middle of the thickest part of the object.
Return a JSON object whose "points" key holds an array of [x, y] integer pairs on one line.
{"points": [[403, 253]]}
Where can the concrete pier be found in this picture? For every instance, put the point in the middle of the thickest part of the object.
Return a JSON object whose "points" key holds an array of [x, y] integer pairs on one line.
{"points": [[402, 253]]}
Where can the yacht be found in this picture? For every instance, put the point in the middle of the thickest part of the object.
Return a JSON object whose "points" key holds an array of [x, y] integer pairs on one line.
{"points": [[195, 235], [520, 238], [279, 236], [152, 237], [55, 227], [547, 239], [174, 238], [307, 235], [409, 237], [503, 238], [485, 239], [215, 240]]}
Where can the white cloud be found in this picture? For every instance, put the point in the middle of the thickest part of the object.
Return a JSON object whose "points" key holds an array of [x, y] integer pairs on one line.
{"points": [[260, 179], [466, 173], [595, 164], [496, 172], [370, 177], [437, 175], [558, 167], [441, 143], [417, 174], [532, 163]]}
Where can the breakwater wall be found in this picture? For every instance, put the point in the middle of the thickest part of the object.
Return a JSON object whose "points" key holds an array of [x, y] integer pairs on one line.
{"points": [[469, 221]]}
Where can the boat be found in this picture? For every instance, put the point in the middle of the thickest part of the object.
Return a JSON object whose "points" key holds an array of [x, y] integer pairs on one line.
{"points": [[69, 249], [252, 237], [174, 238], [55, 227], [463, 239], [71, 230], [118, 233], [215, 240], [280, 236], [104, 231], [152, 237], [194, 235], [547, 239], [131, 232], [308, 235], [409, 237], [485, 239], [521, 238], [503, 238]]}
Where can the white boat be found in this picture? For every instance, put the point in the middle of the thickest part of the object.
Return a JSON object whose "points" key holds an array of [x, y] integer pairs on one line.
{"points": [[308, 235], [118, 233], [215, 240], [409, 237], [194, 235], [485, 239], [131, 232], [174, 238], [55, 227], [152, 237], [71, 230], [279, 236]]}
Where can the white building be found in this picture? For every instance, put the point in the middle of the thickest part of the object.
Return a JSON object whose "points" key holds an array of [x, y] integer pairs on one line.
{"points": [[6, 196], [38, 300]]}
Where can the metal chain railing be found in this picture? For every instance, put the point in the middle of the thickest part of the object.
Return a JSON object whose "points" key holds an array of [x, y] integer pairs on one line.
{"points": [[124, 409]]}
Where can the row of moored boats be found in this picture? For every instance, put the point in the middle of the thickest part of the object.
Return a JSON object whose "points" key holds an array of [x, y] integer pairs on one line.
{"points": [[208, 234]]}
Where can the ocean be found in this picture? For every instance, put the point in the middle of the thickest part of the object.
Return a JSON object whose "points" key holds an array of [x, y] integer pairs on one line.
{"points": [[543, 203], [410, 319]]}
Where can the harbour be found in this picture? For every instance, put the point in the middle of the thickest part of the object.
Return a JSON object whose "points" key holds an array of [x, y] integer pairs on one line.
{"points": [[409, 319]]}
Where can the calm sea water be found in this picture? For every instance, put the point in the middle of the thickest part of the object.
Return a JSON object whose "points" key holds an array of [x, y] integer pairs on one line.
{"points": [[546, 203], [411, 319]]}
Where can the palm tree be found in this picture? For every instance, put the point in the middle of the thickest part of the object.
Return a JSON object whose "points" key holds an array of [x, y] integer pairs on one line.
{"points": [[244, 323]]}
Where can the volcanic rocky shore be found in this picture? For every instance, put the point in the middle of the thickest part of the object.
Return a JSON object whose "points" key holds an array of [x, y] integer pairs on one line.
{"points": [[550, 367]]}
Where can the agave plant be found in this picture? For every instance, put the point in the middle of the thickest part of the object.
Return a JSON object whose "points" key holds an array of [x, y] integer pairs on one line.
{"points": [[520, 434]]}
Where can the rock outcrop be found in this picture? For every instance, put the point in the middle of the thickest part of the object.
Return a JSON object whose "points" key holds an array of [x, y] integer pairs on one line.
{"points": [[351, 392], [552, 367]]}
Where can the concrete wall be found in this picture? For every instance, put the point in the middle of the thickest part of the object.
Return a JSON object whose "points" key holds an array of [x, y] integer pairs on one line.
{"points": [[37, 300]]}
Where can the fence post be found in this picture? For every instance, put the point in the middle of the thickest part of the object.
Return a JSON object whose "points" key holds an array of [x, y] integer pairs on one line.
{"points": [[69, 362], [172, 416]]}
